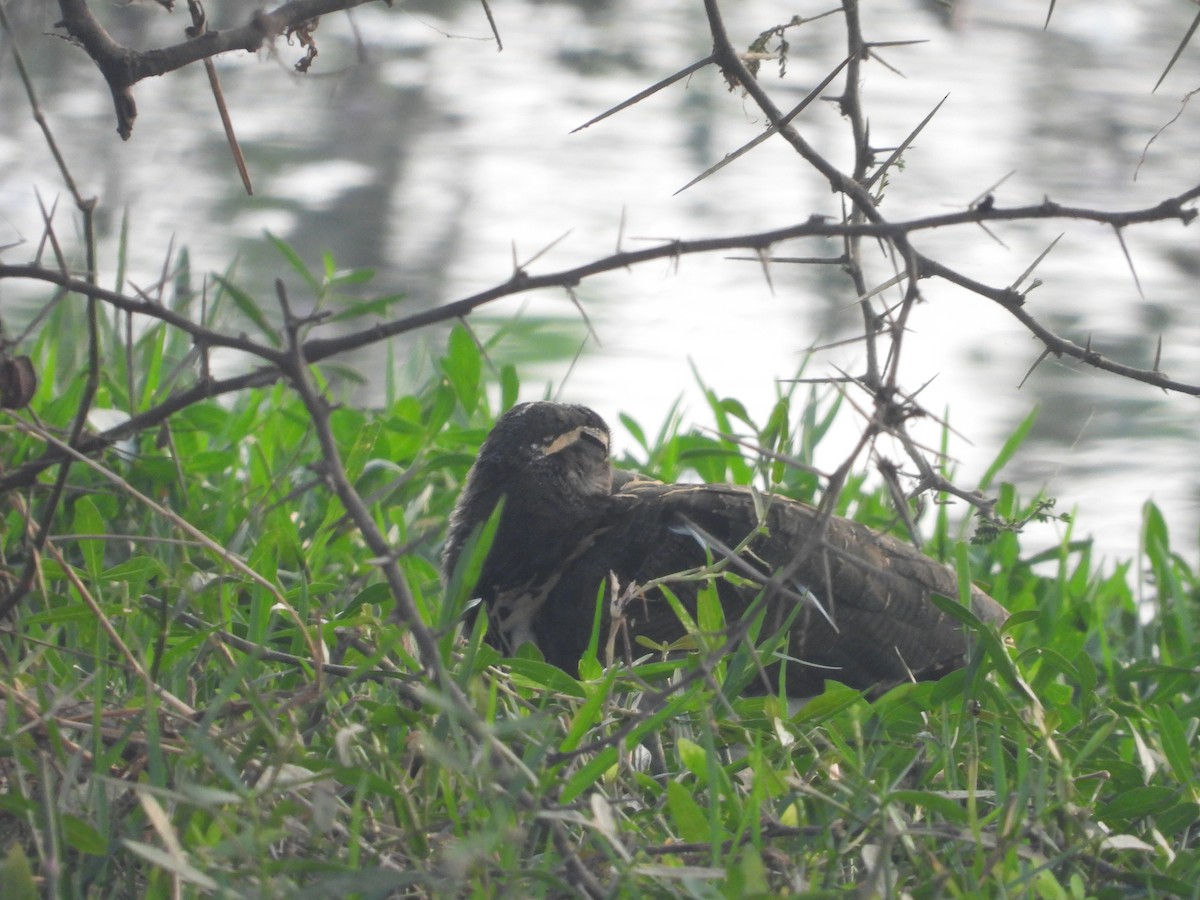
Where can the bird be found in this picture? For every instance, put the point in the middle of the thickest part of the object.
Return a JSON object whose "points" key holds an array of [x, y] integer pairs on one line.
{"points": [[572, 528]]}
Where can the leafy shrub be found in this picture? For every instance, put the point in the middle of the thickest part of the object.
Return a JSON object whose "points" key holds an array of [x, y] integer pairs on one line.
{"points": [[165, 723]]}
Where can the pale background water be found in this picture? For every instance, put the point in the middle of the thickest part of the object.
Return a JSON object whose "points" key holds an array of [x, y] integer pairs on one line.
{"points": [[429, 160]]}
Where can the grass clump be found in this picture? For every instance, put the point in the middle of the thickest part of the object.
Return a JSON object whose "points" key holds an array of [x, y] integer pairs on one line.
{"points": [[206, 695]]}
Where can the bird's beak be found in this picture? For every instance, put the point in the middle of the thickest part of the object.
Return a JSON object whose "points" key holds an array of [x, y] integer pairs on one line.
{"points": [[575, 435]]}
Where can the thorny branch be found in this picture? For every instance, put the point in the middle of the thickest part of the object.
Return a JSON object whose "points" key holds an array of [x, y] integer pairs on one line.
{"points": [[892, 411], [123, 67], [318, 349]]}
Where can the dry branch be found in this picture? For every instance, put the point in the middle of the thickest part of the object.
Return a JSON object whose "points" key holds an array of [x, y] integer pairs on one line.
{"points": [[123, 67]]}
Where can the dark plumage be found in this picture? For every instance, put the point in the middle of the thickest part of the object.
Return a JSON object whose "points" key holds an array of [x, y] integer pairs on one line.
{"points": [[569, 525]]}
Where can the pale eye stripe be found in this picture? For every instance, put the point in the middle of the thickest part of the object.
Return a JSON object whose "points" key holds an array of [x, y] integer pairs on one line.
{"points": [[565, 440]]}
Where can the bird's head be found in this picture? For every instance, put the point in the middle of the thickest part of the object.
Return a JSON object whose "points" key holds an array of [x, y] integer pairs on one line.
{"points": [[546, 447], [549, 461]]}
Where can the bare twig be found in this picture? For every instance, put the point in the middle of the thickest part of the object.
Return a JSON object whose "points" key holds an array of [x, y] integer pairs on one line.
{"points": [[123, 67]]}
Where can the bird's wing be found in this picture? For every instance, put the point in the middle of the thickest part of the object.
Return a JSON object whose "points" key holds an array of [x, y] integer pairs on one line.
{"points": [[864, 613]]}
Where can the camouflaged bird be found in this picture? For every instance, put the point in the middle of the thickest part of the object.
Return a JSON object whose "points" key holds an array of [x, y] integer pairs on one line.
{"points": [[571, 524]]}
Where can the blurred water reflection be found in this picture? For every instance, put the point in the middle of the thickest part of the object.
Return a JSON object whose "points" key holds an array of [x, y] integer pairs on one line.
{"points": [[430, 158]]}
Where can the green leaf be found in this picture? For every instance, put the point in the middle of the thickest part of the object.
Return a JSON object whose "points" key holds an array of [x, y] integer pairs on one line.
{"points": [[351, 277], [1021, 617], [1174, 743], [589, 774], [377, 306], [207, 418], [468, 567], [710, 614], [81, 836], [510, 386], [1154, 533], [1006, 452], [151, 350], [537, 673], [814, 430], [988, 641], [16, 876], [635, 430], [378, 594], [747, 877], [249, 308], [1135, 803], [690, 819], [135, 568], [688, 623], [1085, 668], [294, 260], [1178, 817], [668, 711], [945, 807], [837, 697], [589, 715], [463, 366], [589, 663], [89, 521], [1047, 887], [742, 665], [694, 757]]}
